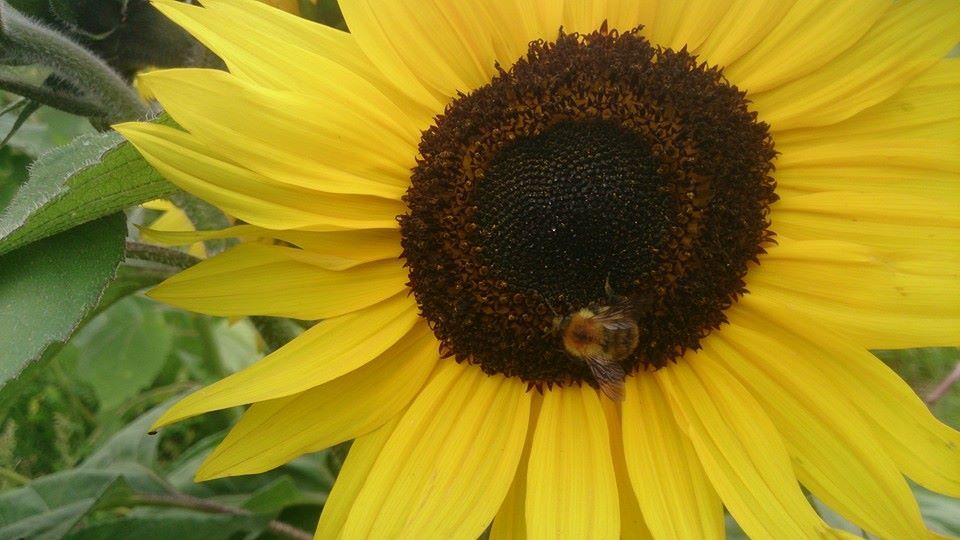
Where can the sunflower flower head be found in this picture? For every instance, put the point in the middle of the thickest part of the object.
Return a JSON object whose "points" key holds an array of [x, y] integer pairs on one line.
{"points": [[586, 269]]}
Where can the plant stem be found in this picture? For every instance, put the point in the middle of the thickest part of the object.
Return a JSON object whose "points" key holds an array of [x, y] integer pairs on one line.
{"points": [[944, 386], [210, 507], [160, 255], [30, 42], [275, 331], [13, 476], [57, 99]]}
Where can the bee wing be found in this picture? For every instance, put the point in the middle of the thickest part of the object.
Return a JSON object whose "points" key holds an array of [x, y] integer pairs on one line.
{"points": [[616, 318], [608, 374]]}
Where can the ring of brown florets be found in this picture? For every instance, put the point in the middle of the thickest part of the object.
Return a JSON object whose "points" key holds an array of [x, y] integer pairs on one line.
{"points": [[595, 159]]}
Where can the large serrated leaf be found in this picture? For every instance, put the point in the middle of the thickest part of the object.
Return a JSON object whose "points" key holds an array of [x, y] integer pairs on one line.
{"points": [[93, 176], [48, 287]]}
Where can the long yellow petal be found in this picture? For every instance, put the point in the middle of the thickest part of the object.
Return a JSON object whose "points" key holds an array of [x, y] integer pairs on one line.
{"points": [[259, 279], [922, 447], [632, 524], [444, 46], [628, 14], [447, 467], [675, 495], [353, 475], [898, 225], [741, 451], [250, 196], [571, 482], [686, 23], [741, 28], [338, 250], [882, 302], [271, 433], [333, 348], [834, 452], [924, 109], [910, 38], [583, 16], [309, 55], [907, 144], [810, 35], [343, 141], [510, 523]]}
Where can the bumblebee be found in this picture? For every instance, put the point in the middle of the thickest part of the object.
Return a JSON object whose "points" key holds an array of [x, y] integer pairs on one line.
{"points": [[602, 335]]}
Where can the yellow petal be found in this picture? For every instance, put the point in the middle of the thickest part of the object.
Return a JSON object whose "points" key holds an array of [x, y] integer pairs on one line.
{"points": [[882, 302], [258, 279], [686, 23], [306, 57], [834, 452], [927, 108], [866, 177], [338, 250], [444, 46], [328, 350], [193, 166], [571, 483], [923, 448], [810, 35], [899, 152], [351, 479], [271, 433], [172, 219], [674, 493], [628, 14], [632, 524], [740, 29], [450, 461], [582, 17], [910, 38], [898, 225], [741, 451], [907, 144], [510, 523], [345, 141]]}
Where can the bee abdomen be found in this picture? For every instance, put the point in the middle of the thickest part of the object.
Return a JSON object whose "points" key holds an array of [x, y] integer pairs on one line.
{"points": [[621, 343]]}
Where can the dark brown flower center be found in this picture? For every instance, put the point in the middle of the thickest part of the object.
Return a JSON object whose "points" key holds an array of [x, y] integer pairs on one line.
{"points": [[596, 168]]}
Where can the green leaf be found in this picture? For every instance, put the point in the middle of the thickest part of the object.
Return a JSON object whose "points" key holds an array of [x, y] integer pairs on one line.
{"points": [[121, 351], [236, 344], [45, 130], [274, 497], [93, 176], [13, 172], [132, 444], [179, 524], [51, 506], [46, 289], [940, 513]]}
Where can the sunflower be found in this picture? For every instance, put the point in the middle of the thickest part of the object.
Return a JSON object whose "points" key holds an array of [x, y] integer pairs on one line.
{"points": [[584, 269]]}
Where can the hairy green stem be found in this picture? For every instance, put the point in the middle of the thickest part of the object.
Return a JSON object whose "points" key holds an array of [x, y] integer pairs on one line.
{"points": [[27, 41], [59, 100], [160, 255], [275, 331]]}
